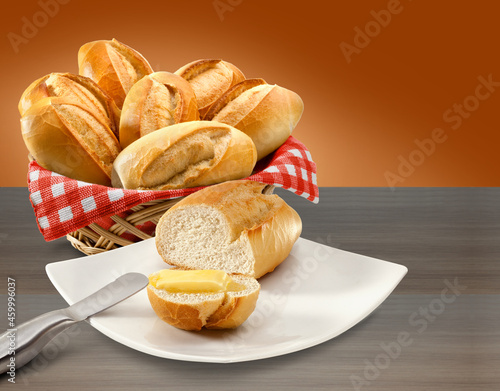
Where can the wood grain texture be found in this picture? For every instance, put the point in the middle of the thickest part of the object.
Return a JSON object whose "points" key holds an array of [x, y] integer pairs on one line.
{"points": [[439, 234], [458, 350]]}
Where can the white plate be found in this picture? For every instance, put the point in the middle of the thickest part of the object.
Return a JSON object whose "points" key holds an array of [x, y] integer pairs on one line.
{"points": [[316, 294]]}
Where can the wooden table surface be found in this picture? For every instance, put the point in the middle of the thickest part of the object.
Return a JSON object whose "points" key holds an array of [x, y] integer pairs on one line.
{"points": [[440, 234]]}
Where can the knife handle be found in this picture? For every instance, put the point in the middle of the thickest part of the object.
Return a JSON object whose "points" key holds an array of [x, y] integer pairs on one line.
{"points": [[29, 338]]}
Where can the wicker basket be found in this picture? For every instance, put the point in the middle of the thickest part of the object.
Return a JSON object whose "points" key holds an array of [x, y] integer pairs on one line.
{"points": [[94, 239]]}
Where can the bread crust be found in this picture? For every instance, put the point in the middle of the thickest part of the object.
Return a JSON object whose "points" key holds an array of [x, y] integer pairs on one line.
{"points": [[233, 312], [230, 95], [213, 79], [183, 315], [114, 66], [146, 163], [212, 311], [144, 102], [69, 87], [266, 113], [271, 250], [54, 141], [269, 224]]}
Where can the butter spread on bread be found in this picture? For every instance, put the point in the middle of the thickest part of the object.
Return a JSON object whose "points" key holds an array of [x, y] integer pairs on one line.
{"points": [[187, 310]]}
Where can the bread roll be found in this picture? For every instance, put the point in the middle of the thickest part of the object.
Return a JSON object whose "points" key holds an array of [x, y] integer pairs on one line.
{"points": [[267, 113], [210, 79], [193, 311], [65, 137], [114, 66], [154, 102], [232, 227], [189, 154], [74, 87]]}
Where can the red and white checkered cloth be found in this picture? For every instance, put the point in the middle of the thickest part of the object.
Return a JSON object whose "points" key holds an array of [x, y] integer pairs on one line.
{"points": [[63, 205]]}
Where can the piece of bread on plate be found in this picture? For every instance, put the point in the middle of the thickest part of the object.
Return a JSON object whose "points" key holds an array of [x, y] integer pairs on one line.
{"points": [[232, 226], [212, 310]]}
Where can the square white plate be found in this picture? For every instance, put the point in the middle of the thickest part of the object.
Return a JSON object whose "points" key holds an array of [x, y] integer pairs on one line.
{"points": [[317, 293]]}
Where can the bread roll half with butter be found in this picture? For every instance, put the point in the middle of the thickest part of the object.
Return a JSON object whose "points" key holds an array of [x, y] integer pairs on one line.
{"points": [[189, 154], [232, 227], [202, 298], [267, 113]]}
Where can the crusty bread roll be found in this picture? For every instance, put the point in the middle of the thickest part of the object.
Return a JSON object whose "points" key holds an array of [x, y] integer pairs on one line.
{"points": [[74, 87], [64, 136], [267, 113], [232, 227], [189, 154], [193, 311], [114, 66], [154, 102], [210, 79]]}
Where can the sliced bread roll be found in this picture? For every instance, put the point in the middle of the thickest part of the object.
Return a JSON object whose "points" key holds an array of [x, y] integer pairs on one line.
{"points": [[193, 311], [232, 226]]}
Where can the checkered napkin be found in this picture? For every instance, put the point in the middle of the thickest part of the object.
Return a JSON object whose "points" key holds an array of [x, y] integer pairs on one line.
{"points": [[63, 205]]}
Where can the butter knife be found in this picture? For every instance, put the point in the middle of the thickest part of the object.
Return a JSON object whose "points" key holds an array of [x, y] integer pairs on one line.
{"points": [[26, 341]]}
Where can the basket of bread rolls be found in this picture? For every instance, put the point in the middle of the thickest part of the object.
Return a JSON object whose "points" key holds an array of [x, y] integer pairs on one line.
{"points": [[115, 146]]}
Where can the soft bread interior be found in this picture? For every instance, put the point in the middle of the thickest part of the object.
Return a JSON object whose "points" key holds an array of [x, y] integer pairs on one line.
{"points": [[213, 233], [190, 298], [199, 237], [192, 311], [231, 227], [250, 284]]}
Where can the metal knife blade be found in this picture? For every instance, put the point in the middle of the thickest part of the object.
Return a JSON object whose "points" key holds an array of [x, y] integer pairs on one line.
{"points": [[109, 295]]}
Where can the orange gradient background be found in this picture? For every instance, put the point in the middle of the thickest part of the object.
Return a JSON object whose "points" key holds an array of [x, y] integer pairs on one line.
{"points": [[360, 117]]}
